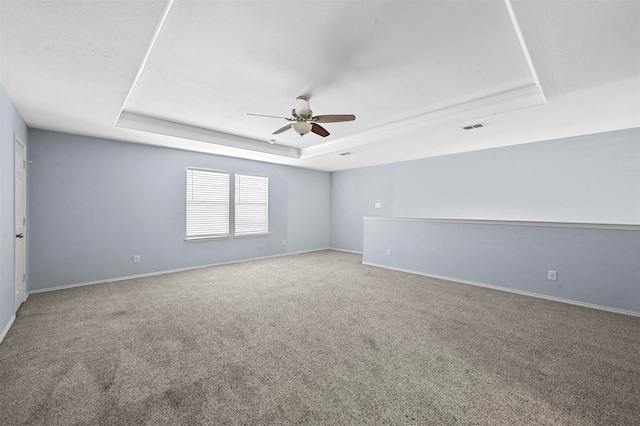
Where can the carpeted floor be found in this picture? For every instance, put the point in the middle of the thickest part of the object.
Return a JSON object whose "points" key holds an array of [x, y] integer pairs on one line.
{"points": [[318, 339]]}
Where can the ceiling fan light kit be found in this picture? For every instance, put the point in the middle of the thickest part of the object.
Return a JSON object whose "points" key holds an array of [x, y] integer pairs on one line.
{"points": [[304, 122], [301, 127]]}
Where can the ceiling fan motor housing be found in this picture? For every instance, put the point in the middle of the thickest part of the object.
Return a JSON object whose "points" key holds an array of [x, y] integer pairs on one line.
{"points": [[302, 107]]}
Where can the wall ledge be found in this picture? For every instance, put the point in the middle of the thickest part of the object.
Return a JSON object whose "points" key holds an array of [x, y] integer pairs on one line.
{"points": [[622, 227]]}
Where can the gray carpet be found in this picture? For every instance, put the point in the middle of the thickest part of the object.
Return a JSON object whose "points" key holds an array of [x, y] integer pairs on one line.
{"points": [[314, 338]]}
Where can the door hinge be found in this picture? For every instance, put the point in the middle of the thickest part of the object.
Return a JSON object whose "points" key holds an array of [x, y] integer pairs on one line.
{"points": [[24, 164], [24, 277], [24, 221]]}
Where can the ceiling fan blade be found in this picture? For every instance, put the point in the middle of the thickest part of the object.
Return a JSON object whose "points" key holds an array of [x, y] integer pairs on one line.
{"points": [[271, 116], [282, 129], [319, 130], [333, 118]]}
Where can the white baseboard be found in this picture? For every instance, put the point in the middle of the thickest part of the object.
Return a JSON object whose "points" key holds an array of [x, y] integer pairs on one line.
{"points": [[6, 329], [511, 290], [346, 251], [168, 271]]}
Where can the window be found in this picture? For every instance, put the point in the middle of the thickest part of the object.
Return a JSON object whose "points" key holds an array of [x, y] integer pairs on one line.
{"points": [[207, 204], [252, 205]]}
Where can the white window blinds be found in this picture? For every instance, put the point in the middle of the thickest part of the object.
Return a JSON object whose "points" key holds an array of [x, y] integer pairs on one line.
{"points": [[252, 205], [207, 203]]}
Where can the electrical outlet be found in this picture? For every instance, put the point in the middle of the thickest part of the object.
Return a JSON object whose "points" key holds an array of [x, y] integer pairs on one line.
{"points": [[553, 275], [388, 252], [284, 242], [136, 258]]}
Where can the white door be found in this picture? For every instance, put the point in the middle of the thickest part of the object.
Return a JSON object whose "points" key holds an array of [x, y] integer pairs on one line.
{"points": [[20, 219]]}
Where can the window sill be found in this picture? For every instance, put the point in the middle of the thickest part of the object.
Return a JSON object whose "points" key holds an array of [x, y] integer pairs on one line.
{"points": [[197, 239], [251, 235]]}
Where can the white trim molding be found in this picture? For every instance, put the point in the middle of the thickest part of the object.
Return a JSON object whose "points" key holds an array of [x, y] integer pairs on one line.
{"points": [[346, 251], [510, 290], [6, 329], [498, 101], [145, 123], [621, 227], [168, 271]]}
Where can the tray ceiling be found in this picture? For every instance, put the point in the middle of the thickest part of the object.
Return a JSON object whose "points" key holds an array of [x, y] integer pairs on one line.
{"points": [[184, 74]]}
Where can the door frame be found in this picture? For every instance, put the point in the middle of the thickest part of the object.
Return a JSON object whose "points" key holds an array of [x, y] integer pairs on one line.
{"points": [[21, 296]]}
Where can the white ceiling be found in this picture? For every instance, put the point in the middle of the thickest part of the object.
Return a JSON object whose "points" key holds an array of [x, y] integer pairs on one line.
{"points": [[185, 73]]}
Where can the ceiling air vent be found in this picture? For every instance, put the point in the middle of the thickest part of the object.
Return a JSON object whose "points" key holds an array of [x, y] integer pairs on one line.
{"points": [[474, 126]]}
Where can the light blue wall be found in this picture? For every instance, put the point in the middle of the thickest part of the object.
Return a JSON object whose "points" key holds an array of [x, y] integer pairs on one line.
{"points": [[595, 266], [10, 122], [95, 203], [584, 179]]}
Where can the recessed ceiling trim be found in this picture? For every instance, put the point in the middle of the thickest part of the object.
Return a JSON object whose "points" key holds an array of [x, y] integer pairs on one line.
{"points": [[146, 123], [523, 45], [523, 96], [146, 57]]}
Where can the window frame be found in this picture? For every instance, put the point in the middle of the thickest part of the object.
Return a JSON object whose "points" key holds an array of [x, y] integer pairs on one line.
{"points": [[222, 199], [236, 195]]}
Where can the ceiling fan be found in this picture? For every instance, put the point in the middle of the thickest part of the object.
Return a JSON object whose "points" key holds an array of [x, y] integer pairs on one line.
{"points": [[304, 121]]}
